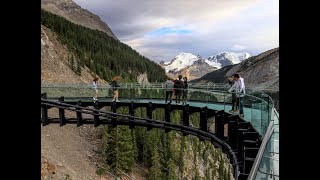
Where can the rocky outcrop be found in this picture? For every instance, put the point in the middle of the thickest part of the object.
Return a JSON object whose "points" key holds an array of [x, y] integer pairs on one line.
{"points": [[143, 79], [74, 13]]}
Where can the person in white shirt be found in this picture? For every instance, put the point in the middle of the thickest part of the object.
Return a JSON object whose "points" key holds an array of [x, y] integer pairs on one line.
{"points": [[239, 88], [169, 89], [95, 85]]}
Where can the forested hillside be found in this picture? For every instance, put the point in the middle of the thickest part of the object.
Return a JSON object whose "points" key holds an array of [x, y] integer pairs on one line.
{"points": [[102, 54]]}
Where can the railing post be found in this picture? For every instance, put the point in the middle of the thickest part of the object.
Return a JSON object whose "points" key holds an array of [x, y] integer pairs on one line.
{"points": [[79, 114], [62, 117], [203, 119], [44, 111], [96, 120], [219, 124], [131, 112]]}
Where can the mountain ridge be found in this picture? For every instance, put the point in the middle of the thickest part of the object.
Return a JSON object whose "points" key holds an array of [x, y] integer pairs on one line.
{"points": [[259, 70], [195, 66], [76, 14]]}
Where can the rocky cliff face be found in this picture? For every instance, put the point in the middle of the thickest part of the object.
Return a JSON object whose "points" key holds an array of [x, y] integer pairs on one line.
{"points": [[74, 13], [143, 79]]}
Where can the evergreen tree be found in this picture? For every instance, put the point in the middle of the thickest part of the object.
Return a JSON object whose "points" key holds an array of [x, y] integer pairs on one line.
{"points": [[181, 156], [78, 70], [72, 63], [155, 170], [221, 169]]}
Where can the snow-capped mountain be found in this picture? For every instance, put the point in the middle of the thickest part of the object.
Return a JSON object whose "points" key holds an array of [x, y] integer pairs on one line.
{"points": [[184, 60], [195, 66], [229, 58]]}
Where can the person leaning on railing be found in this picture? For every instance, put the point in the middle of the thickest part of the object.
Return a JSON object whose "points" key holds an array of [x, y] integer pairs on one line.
{"points": [[168, 85], [178, 86], [185, 90], [114, 85], [95, 85], [239, 89], [234, 97]]}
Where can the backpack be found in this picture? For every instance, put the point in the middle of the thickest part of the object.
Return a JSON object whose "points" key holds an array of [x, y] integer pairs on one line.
{"points": [[113, 85]]}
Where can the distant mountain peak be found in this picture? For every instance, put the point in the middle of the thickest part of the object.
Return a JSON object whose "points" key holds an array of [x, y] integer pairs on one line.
{"points": [[200, 65], [229, 58]]}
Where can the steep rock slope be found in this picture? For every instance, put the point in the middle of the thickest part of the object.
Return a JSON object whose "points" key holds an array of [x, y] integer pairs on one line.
{"points": [[55, 67]]}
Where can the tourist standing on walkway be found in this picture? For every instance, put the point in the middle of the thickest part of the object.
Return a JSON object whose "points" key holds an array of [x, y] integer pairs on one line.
{"points": [[95, 85], [114, 86], [239, 88], [233, 97], [185, 90], [169, 89], [178, 87]]}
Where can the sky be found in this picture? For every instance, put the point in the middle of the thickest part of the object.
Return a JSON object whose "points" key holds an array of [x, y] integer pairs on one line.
{"points": [[161, 29]]}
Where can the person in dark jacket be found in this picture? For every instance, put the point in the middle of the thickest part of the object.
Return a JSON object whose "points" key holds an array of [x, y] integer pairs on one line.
{"points": [[185, 90], [234, 97], [178, 86], [114, 86]]}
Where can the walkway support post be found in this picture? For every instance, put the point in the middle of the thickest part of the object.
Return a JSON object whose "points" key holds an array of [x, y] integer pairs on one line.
{"points": [[96, 120], [114, 110], [219, 124], [185, 118], [167, 117], [44, 111], [62, 118], [232, 130], [131, 112], [149, 114], [204, 119], [79, 114]]}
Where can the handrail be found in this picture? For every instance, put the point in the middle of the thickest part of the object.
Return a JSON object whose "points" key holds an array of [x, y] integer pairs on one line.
{"points": [[271, 174], [257, 161], [197, 85], [156, 88]]}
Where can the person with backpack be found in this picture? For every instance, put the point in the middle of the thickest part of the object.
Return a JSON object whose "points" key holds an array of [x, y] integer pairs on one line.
{"points": [[233, 97], [178, 86], [95, 85], [169, 89], [239, 88], [114, 86], [185, 90]]}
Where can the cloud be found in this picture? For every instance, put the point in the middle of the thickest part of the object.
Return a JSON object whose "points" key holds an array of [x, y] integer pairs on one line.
{"points": [[237, 47], [161, 29]]}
